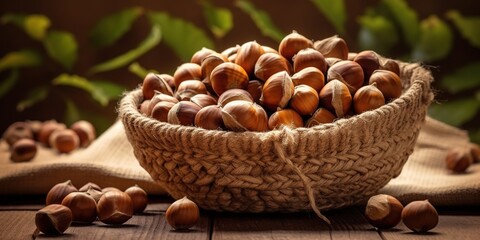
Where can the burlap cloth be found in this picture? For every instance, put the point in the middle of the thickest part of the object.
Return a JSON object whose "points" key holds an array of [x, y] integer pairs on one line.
{"points": [[109, 161]]}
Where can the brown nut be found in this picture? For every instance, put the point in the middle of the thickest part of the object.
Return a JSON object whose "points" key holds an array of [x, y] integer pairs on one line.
{"points": [[309, 57], [369, 61], [183, 113], [94, 193], [210, 117], [388, 83], [304, 100], [348, 72], [64, 141], [320, 116], [332, 47], [383, 211], [108, 189], [17, 131], [458, 160], [53, 219], [255, 88], [85, 131], [139, 198], [187, 71], [230, 51], [336, 97], [159, 97], [160, 111], [368, 98], [48, 127], [331, 61], [242, 116], [35, 127], [310, 76], [56, 194], [232, 95], [82, 205], [169, 79], [228, 76], [292, 43], [277, 91], [115, 207], [209, 63], [269, 64], [88, 185], [285, 118], [248, 55], [203, 100], [200, 55], [420, 216], [143, 108], [23, 150], [155, 82], [182, 214], [189, 88], [268, 49]]}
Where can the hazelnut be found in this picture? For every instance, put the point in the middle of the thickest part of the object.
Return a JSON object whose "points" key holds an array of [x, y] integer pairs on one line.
{"points": [[232, 95], [348, 72], [210, 117], [23, 150], [368, 98], [183, 113], [159, 97], [383, 211], [458, 160], [94, 193], [17, 131], [227, 76], [310, 76], [255, 89], [115, 207], [160, 111], [85, 187], [182, 214], [139, 198], [277, 91], [85, 131], [292, 44], [336, 97], [203, 100], [269, 64], [248, 55], [388, 82], [304, 100], [108, 189], [56, 194], [53, 219], [420, 216], [320, 116], [230, 51], [369, 61], [169, 79], [285, 118], [82, 205], [189, 88], [209, 63], [48, 127], [64, 140], [187, 71], [332, 47], [309, 57], [268, 49], [154, 82], [242, 116], [200, 55]]}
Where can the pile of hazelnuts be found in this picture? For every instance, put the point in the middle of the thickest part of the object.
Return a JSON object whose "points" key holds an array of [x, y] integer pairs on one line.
{"points": [[65, 204], [22, 137], [252, 87]]}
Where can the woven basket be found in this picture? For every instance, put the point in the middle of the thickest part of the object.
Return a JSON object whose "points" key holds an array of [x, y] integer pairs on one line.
{"points": [[324, 167]]}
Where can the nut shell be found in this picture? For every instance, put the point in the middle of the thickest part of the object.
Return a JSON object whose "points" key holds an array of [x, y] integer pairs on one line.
{"points": [[310, 76], [200, 55], [320, 116], [248, 55], [183, 113], [182, 214], [115, 207], [139, 198], [234, 94], [23, 150], [332, 47], [304, 100], [82, 205], [189, 88], [348, 72], [285, 118], [383, 211], [458, 160], [388, 82], [420, 216], [277, 91], [187, 71], [155, 82], [203, 100], [228, 76], [336, 97], [56, 194], [64, 141], [292, 44], [85, 131], [210, 117], [160, 111], [53, 219], [368, 98], [309, 57], [269, 64], [242, 116], [17, 131]]}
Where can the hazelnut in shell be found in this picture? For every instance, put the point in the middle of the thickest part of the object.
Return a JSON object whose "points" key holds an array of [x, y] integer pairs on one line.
{"points": [[56, 194], [82, 205], [420, 216], [383, 211], [182, 214], [23, 150], [115, 207], [53, 219]]}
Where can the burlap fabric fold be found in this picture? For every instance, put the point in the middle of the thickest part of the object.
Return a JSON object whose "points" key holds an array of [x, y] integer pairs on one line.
{"points": [[325, 167]]}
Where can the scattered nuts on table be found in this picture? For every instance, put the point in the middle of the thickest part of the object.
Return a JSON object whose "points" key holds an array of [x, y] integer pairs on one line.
{"points": [[82, 205], [53, 219], [59, 191], [115, 207], [420, 216], [139, 198], [182, 214], [383, 211]]}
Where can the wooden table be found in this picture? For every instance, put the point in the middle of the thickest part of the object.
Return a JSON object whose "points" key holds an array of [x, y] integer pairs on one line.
{"points": [[17, 214]]}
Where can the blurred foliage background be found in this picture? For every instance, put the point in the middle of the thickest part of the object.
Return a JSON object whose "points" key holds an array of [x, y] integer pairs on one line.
{"points": [[68, 60]]}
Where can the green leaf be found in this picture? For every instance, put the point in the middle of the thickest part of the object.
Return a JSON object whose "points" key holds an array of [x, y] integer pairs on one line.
{"points": [[148, 43], [8, 83], [475, 136], [261, 19], [436, 40], [34, 96], [72, 113], [138, 70], [84, 84], [465, 78], [469, 27], [377, 33], [62, 47], [407, 18], [182, 36], [35, 25], [455, 112], [108, 89], [334, 11], [22, 58], [219, 20], [112, 27]]}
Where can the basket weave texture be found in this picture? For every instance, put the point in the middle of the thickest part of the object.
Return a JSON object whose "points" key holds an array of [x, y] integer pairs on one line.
{"points": [[324, 167]]}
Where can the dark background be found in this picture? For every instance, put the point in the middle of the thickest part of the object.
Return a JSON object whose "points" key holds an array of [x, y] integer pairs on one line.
{"points": [[79, 17]]}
